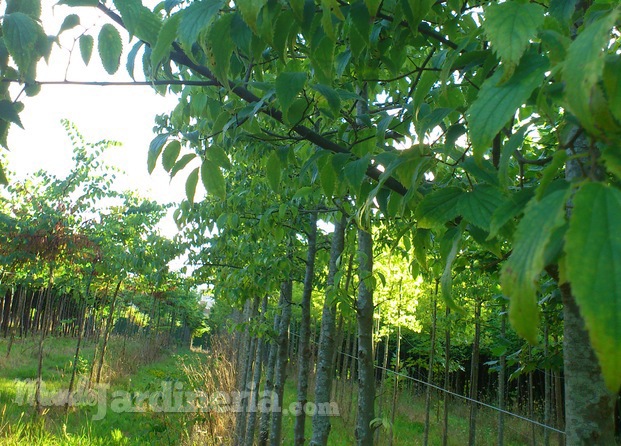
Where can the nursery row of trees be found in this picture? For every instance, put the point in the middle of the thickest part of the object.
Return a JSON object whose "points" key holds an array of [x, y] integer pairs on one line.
{"points": [[78, 258], [471, 139]]}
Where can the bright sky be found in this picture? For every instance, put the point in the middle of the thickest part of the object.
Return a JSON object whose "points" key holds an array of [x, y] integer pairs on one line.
{"points": [[124, 114]]}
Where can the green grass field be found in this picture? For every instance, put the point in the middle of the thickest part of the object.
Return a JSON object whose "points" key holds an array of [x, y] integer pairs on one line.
{"points": [[136, 368]]}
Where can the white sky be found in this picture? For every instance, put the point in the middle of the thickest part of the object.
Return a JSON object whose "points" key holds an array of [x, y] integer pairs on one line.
{"points": [[124, 114]]}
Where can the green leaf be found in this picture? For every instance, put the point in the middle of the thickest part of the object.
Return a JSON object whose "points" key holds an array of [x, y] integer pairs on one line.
{"points": [[551, 172], [612, 160], [331, 95], [288, 86], [520, 273], [511, 26], [216, 154], [612, 85], [3, 179], [511, 207], [507, 151], [155, 148], [165, 39], [327, 176], [21, 35], [250, 10], [593, 247], [190, 185], [170, 155], [478, 206], [213, 180], [86, 43], [355, 172], [273, 171], [179, 165], [438, 207], [196, 18], [9, 111], [70, 22], [496, 104], [303, 192], [110, 48], [139, 20], [28, 7], [415, 11], [586, 52], [452, 238], [221, 48], [562, 10]]}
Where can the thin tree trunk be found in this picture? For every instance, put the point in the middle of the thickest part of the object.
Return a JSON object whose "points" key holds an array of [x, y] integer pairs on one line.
{"points": [[364, 314], [245, 368], [447, 377], [264, 424], [304, 341], [107, 329], [589, 405], [280, 369], [474, 373], [432, 352], [547, 387], [502, 378], [395, 389], [324, 375], [531, 402], [47, 298], [256, 381]]}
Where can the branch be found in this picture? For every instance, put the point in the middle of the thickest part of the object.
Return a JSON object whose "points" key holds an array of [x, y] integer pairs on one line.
{"points": [[179, 57]]}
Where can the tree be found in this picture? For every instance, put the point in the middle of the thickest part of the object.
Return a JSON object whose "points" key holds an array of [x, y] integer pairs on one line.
{"points": [[491, 99]]}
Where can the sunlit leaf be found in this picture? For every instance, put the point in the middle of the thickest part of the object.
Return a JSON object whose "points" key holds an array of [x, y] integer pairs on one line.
{"points": [[520, 273], [496, 104], [438, 207], [110, 48], [213, 180], [511, 26], [593, 247]]}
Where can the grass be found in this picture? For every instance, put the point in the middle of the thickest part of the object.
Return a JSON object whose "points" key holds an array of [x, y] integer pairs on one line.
{"points": [[137, 368], [126, 370]]}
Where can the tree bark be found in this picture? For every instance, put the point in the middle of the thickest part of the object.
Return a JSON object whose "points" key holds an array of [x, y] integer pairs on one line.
{"points": [[501, 379], [109, 323], [474, 373], [432, 351], [256, 381], [280, 369], [447, 370], [324, 375], [264, 423], [304, 342], [364, 314], [589, 406]]}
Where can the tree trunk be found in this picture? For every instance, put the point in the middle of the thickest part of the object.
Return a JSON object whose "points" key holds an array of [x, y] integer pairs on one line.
{"points": [[447, 371], [245, 369], [474, 373], [432, 351], [304, 341], [109, 323], [264, 423], [502, 379], [324, 375], [364, 314], [256, 381], [395, 389], [546, 385], [280, 369], [589, 406]]}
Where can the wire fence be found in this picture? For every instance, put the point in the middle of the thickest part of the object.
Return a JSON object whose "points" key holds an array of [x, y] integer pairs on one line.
{"points": [[454, 394]]}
